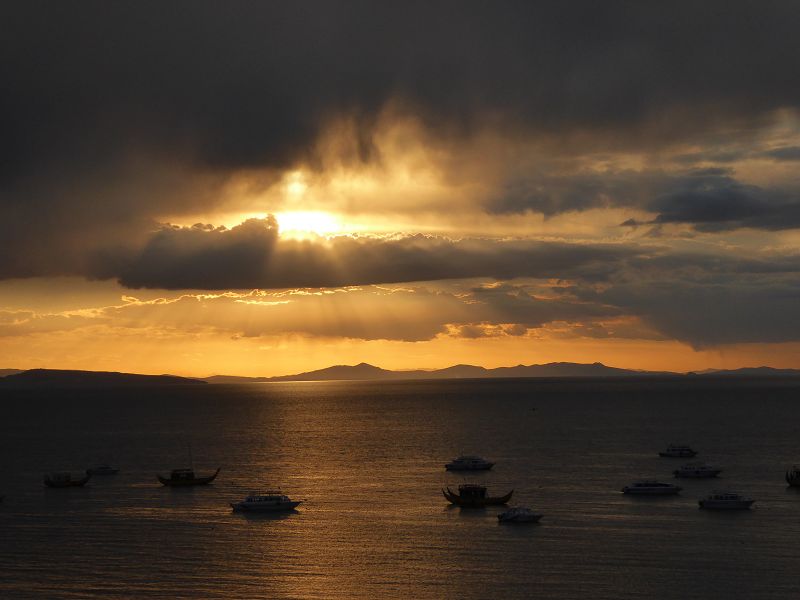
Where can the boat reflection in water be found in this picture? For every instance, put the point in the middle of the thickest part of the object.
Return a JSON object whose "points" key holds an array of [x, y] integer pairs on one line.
{"points": [[185, 477], [472, 495]]}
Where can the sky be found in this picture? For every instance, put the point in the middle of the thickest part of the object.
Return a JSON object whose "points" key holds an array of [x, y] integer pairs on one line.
{"points": [[265, 188]]}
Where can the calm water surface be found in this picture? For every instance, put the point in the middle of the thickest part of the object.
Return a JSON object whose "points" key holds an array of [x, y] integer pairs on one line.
{"points": [[368, 460]]}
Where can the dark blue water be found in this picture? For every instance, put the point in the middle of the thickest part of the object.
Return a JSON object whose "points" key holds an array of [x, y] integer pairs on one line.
{"points": [[368, 459]]}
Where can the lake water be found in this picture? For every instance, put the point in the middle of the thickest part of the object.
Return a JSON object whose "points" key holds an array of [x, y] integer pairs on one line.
{"points": [[368, 458]]}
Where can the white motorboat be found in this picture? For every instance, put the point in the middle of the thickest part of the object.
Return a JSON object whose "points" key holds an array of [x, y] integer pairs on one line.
{"points": [[678, 451], [726, 501], [651, 488], [270, 501], [519, 514], [696, 471], [469, 463]]}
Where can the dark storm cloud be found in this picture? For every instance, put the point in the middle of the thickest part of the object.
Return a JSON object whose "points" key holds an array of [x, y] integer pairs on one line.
{"points": [[251, 255], [706, 314], [242, 84], [708, 199]]}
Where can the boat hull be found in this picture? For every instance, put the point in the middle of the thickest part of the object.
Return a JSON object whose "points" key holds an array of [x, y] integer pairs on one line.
{"points": [[691, 454], [286, 506], [187, 482], [476, 502], [793, 479]]}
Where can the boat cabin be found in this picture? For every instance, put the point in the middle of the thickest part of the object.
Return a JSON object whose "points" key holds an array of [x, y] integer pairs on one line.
{"points": [[181, 474]]}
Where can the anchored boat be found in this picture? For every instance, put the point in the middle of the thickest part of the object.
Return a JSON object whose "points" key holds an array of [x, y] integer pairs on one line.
{"points": [[793, 476], [184, 477], [726, 501], [472, 495], [651, 488], [469, 463], [519, 514], [678, 451], [696, 471], [270, 501], [64, 480]]}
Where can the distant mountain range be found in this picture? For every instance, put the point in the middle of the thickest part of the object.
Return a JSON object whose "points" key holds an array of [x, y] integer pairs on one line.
{"points": [[364, 371], [560, 369], [57, 378]]}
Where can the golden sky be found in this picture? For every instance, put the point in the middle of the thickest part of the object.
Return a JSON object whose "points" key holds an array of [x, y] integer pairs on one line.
{"points": [[223, 207]]}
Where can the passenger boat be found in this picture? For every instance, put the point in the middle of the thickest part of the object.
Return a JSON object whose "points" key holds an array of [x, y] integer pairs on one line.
{"points": [[696, 471], [519, 514], [676, 451], [793, 476], [469, 463], [64, 480], [184, 477], [269, 501], [102, 470], [473, 495], [651, 488], [726, 501]]}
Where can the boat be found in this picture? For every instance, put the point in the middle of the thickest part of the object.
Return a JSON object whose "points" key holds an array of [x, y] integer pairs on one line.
{"points": [[519, 514], [269, 501], [103, 469], [651, 488], [64, 480], [726, 501], [185, 477], [696, 471], [469, 463], [793, 476], [677, 451], [473, 495]]}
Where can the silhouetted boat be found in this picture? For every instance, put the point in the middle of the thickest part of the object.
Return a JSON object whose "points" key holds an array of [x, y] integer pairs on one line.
{"points": [[184, 477], [696, 471], [726, 501], [64, 480], [793, 476], [102, 470], [677, 451], [270, 501], [651, 488], [474, 496], [469, 463], [519, 514]]}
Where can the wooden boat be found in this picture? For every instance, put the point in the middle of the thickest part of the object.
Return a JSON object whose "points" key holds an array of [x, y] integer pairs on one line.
{"points": [[184, 477], [474, 496], [793, 476], [64, 480]]}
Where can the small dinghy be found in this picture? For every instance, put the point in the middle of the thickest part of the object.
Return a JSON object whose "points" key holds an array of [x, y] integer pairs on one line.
{"points": [[651, 488], [678, 451], [726, 501], [696, 471], [469, 463]]}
